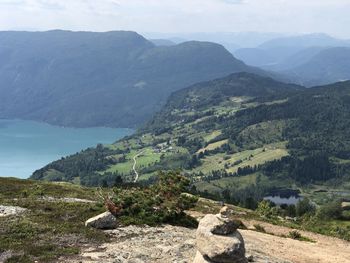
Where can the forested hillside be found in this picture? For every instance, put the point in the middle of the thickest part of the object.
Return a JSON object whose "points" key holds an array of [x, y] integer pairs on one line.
{"points": [[116, 79], [243, 131]]}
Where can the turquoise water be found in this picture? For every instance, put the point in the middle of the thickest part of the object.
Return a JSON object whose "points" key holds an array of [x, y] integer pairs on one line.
{"points": [[26, 146]]}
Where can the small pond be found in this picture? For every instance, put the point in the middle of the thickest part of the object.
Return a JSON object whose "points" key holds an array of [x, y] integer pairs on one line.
{"points": [[284, 197]]}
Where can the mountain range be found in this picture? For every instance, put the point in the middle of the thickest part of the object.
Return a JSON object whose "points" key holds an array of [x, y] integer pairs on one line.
{"points": [[282, 53], [85, 79], [327, 66], [314, 59]]}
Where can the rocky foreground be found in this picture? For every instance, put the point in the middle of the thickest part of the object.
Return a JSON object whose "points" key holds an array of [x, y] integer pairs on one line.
{"points": [[166, 244], [29, 232], [216, 239], [172, 244], [135, 244]]}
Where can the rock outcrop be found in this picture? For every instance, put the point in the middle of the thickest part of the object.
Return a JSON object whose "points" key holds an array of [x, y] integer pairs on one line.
{"points": [[11, 210], [218, 240], [143, 244], [103, 221]]}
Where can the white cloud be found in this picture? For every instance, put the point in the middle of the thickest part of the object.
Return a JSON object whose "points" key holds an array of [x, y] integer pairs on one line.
{"points": [[330, 16]]}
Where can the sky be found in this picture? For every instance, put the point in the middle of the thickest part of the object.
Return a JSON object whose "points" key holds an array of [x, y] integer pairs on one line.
{"points": [[171, 16]]}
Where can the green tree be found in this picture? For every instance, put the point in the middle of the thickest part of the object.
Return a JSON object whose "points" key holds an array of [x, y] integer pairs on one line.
{"points": [[332, 210], [265, 209], [304, 206]]}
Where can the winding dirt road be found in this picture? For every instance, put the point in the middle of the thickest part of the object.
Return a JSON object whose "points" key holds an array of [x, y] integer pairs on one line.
{"points": [[134, 166]]}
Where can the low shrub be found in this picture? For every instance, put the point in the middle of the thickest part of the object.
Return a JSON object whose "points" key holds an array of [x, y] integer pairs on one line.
{"points": [[259, 228], [332, 210], [294, 234], [163, 202]]}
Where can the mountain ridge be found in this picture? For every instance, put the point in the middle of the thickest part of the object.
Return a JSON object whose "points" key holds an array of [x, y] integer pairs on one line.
{"points": [[239, 125], [328, 66], [59, 76]]}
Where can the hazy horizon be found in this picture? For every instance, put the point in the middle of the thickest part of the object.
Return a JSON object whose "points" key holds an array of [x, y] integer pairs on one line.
{"points": [[179, 17]]}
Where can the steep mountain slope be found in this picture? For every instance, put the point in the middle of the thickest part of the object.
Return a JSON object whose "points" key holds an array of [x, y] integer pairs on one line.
{"points": [[204, 95], [329, 65], [202, 101], [256, 56], [99, 79], [296, 59], [243, 132]]}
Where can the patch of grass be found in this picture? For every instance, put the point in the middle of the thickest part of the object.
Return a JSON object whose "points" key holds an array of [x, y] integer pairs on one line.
{"points": [[245, 158], [15, 188], [47, 230], [122, 168], [148, 157], [236, 183], [294, 234], [212, 135], [257, 156], [259, 228], [19, 259], [211, 163], [336, 228], [213, 146]]}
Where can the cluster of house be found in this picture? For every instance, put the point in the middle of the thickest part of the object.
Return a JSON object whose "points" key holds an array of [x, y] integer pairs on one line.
{"points": [[163, 147]]}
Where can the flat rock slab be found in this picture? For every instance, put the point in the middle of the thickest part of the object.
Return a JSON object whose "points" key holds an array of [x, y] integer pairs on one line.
{"points": [[136, 244], [163, 244], [11, 210]]}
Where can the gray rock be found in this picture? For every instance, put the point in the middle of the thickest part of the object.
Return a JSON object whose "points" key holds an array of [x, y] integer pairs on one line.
{"points": [[11, 210], [103, 221], [225, 211], [218, 241], [218, 225]]}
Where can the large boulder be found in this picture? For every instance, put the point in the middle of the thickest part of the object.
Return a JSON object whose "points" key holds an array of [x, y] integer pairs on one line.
{"points": [[103, 221], [219, 241]]}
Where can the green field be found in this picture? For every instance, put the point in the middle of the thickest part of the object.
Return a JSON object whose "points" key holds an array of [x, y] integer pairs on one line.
{"points": [[212, 135], [213, 146], [248, 158], [240, 182], [237, 182]]}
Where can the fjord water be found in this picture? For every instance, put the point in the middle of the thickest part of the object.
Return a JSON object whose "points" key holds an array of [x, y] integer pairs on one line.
{"points": [[27, 145]]}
